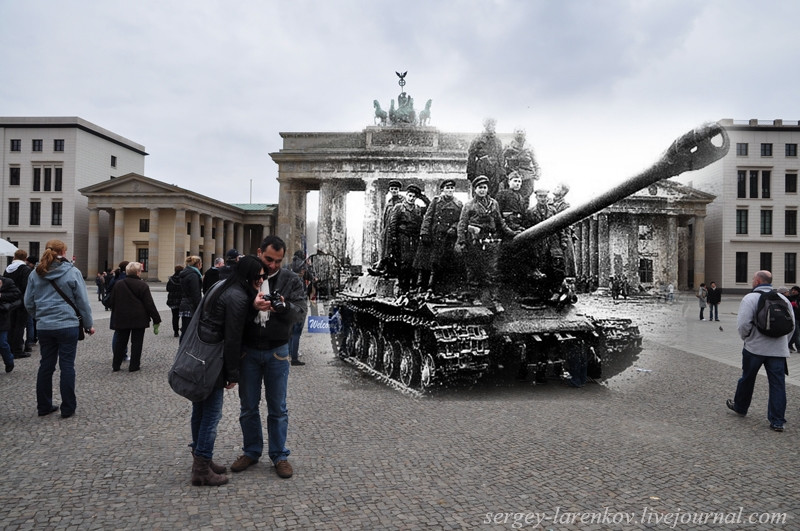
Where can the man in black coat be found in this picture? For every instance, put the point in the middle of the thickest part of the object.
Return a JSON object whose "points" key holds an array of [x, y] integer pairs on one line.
{"points": [[713, 298], [10, 299]]}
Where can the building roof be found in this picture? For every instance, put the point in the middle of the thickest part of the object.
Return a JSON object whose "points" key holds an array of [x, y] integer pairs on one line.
{"points": [[71, 121]]}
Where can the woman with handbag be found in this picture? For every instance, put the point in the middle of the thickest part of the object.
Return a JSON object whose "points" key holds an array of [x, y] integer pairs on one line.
{"points": [[55, 286], [132, 308], [223, 313]]}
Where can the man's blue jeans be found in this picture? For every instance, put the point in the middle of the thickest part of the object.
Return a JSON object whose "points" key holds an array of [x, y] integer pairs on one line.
{"points": [[774, 366], [205, 419], [713, 312], [57, 346], [294, 340], [272, 368], [5, 349]]}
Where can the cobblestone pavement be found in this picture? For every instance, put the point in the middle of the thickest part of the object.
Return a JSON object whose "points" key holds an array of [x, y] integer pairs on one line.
{"points": [[652, 446]]}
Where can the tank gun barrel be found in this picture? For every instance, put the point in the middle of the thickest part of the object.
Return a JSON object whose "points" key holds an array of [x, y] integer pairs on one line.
{"points": [[692, 151]]}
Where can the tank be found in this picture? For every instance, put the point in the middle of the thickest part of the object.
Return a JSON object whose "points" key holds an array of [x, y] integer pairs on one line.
{"points": [[539, 330]]}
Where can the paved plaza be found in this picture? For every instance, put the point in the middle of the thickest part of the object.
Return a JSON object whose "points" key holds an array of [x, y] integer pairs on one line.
{"points": [[652, 448]]}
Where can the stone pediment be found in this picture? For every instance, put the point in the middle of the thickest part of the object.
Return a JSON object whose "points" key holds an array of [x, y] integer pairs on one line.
{"points": [[132, 183], [673, 191]]}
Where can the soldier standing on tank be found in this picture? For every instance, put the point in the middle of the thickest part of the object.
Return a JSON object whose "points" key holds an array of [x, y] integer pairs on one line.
{"points": [[405, 222], [393, 200], [480, 229], [485, 157], [559, 205], [436, 259], [512, 203], [519, 158], [548, 253]]}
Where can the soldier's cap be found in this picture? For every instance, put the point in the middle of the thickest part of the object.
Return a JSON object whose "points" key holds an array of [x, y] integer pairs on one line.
{"points": [[395, 184], [447, 182], [514, 175], [414, 188], [541, 191], [479, 180]]}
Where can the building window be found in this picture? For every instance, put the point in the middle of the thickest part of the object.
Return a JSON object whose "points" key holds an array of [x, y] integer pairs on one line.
{"points": [[766, 182], [791, 183], [58, 208], [741, 267], [766, 261], [790, 224], [790, 268], [48, 179], [741, 184], [754, 184], [143, 256], [33, 250], [16, 144], [213, 233], [37, 179], [113, 161], [202, 231], [58, 145], [645, 270], [59, 179], [144, 225], [13, 175], [36, 145], [766, 223], [741, 221], [791, 150], [13, 212], [766, 150], [741, 149], [188, 229], [36, 213]]}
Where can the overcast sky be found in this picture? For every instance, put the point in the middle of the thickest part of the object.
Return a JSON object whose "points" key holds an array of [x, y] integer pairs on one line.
{"points": [[601, 86]]}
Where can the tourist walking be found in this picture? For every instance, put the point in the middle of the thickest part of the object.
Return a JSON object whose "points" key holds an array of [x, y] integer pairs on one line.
{"points": [[702, 293], [132, 309], [10, 299], [760, 349], [174, 299], [57, 324], [191, 290]]}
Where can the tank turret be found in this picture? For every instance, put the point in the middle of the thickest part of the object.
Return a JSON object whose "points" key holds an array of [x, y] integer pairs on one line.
{"points": [[415, 340]]}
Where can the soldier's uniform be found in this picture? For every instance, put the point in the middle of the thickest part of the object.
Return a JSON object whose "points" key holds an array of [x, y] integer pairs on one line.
{"points": [[480, 230], [548, 253], [392, 202], [486, 158], [519, 158], [405, 222], [512, 207], [436, 254]]}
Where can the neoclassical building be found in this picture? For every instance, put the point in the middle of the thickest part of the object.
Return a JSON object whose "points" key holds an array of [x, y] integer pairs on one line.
{"points": [[653, 238], [136, 218]]}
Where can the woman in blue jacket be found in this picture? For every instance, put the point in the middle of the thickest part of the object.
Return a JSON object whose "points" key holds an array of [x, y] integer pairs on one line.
{"points": [[57, 324]]}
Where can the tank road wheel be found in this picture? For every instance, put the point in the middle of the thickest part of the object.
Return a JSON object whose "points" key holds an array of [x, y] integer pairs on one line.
{"points": [[409, 366], [391, 358], [355, 343], [374, 351], [427, 372]]}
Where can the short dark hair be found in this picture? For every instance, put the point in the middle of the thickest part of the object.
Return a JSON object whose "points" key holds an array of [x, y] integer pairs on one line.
{"points": [[274, 242]]}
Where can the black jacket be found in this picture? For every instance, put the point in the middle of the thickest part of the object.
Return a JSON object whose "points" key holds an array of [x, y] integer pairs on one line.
{"points": [[714, 295], [10, 299], [132, 304], [174, 291], [190, 290], [277, 329], [224, 317]]}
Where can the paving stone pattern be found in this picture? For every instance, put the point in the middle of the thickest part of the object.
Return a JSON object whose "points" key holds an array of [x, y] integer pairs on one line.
{"points": [[654, 440]]}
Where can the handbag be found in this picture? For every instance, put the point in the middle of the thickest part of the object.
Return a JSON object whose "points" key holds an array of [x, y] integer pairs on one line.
{"points": [[197, 363], [81, 333]]}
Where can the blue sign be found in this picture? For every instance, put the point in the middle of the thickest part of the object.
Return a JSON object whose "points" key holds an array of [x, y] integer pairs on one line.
{"points": [[319, 324]]}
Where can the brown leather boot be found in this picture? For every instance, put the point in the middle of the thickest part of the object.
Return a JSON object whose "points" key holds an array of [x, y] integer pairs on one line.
{"points": [[215, 468], [203, 475]]}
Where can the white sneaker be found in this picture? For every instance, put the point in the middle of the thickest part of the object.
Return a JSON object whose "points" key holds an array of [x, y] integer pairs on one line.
{"points": [[702, 319]]}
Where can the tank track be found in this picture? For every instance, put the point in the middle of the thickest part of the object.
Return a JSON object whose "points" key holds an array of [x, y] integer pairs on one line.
{"points": [[409, 353]]}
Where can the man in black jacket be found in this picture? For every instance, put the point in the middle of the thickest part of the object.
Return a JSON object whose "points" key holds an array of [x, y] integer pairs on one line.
{"points": [[266, 359], [713, 297]]}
